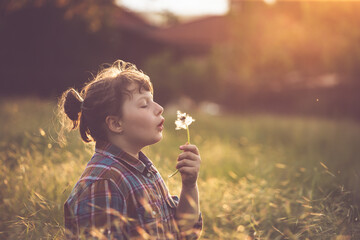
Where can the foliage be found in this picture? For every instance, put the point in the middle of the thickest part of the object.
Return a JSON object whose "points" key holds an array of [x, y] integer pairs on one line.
{"points": [[275, 59], [262, 176], [269, 44], [94, 13], [172, 77], [47, 47]]}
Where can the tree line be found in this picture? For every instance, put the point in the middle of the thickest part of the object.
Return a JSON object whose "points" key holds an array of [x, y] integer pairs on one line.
{"points": [[273, 53]]}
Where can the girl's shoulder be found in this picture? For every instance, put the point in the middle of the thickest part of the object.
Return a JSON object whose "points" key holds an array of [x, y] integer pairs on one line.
{"points": [[105, 167]]}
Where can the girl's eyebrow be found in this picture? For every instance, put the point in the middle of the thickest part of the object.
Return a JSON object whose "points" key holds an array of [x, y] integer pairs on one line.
{"points": [[145, 97]]}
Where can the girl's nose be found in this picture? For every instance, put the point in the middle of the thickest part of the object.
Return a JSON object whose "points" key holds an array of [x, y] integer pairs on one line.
{"points": [[159, 109]]}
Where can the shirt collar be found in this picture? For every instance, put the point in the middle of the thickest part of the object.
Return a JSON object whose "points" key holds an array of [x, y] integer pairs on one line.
{"points": [[109, 149]]}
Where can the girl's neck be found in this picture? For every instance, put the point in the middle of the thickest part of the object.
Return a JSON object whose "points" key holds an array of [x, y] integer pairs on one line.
{"points": [[126, 147], [135, 155]]}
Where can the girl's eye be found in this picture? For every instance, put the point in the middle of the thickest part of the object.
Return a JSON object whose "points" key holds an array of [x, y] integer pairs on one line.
{"points": [[144, 106]]}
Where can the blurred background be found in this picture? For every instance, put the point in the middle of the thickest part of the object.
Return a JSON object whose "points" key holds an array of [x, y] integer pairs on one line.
{"points": [[244, 56], [273, 86]]}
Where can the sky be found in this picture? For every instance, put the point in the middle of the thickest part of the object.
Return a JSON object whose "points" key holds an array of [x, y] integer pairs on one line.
{"points": [[178, 7]]}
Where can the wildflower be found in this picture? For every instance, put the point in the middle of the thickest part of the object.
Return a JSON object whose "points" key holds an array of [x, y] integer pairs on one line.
{"points": [[182, 122]]}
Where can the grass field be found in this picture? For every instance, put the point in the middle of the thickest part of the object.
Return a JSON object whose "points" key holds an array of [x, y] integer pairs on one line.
{"points": [[262, 176]]}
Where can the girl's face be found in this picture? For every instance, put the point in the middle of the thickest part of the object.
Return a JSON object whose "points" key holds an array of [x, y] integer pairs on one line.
{"points": [[142, 120]]}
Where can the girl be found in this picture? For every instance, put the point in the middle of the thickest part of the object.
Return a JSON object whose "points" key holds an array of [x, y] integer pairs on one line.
{"points": [[120, 194]]}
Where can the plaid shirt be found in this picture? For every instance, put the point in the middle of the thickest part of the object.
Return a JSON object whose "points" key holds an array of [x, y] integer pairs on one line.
{"points": [[121, 197]]}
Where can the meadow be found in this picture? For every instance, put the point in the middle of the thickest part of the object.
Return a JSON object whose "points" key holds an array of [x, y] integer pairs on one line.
{"points": [[262, 176]]}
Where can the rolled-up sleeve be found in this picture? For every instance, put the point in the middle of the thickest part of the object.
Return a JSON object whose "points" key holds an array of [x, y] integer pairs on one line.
{"points": [[98, 211]]}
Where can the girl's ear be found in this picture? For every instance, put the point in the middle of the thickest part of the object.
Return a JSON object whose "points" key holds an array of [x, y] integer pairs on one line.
{"points": [[114, 124]]}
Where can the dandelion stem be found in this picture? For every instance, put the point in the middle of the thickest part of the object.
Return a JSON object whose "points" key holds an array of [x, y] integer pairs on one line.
{"points": [[188, 137], [173, 174], [183, 120], [188, 134]]}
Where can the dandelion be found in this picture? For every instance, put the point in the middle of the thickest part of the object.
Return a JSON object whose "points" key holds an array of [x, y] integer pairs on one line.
{"points": [[182, 122]]}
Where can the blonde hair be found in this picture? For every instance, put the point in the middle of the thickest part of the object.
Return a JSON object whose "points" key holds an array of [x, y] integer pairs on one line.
{"points": [[99, 98]]}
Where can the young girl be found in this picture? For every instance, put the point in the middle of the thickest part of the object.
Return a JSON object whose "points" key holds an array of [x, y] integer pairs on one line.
{"points": [[120, 194]]}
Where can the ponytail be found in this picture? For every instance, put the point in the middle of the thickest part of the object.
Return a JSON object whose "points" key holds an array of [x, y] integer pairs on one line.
{"points": [[72, 106]]}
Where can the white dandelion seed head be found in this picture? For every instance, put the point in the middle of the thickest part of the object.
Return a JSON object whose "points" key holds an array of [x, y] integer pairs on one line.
{"points": [[189, 120], [183, 120], [180, 115]]}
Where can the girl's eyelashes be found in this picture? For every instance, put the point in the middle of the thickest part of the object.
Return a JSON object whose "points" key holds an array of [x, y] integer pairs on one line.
{"points": [[144, 104]]}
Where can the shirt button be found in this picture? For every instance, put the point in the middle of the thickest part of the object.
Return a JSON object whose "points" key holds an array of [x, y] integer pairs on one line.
{"points": [[153, 213], [148, 175]]}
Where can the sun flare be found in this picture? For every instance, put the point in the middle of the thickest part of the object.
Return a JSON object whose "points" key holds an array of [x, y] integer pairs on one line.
{"points": [[270, 2]]}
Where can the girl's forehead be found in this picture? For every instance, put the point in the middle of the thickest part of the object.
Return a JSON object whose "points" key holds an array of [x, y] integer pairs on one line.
{"points": [[136, 95]]}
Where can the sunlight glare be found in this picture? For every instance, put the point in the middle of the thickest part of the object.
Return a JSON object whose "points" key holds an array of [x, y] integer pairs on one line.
{"points": [[270, 2], [184, 7]]}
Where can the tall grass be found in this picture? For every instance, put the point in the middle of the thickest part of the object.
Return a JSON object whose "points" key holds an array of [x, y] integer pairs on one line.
{"points": [[262, 176]]}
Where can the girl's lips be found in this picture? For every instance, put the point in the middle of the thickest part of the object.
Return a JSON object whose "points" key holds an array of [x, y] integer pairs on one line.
{"points": [[161, 124]]}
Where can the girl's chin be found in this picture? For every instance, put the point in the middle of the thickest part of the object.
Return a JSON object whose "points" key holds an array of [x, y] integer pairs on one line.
{"points": [[159, 138], [156, 139]]}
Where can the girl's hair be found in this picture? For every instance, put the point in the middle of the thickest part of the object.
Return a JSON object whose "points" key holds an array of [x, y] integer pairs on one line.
{"points": [[99, 98]]}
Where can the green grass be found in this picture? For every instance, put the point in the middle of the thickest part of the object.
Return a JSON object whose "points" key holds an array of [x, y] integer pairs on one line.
{"points": [[262, 176]]}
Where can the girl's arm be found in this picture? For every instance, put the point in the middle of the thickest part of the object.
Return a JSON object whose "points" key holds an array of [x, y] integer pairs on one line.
{"points": [[188, 209]]}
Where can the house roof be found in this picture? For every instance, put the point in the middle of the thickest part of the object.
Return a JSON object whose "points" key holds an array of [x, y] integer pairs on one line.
{"points": [[201, 32], [195, 36], [124, 18]]}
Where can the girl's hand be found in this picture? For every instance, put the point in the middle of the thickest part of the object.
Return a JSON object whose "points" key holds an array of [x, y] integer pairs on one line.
{"points": [[189, 165]]}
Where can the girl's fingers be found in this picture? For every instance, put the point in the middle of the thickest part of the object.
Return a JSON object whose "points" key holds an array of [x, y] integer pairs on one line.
{"points": [[187, 170], [190, 148], [188, 155], [186, 163]]}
